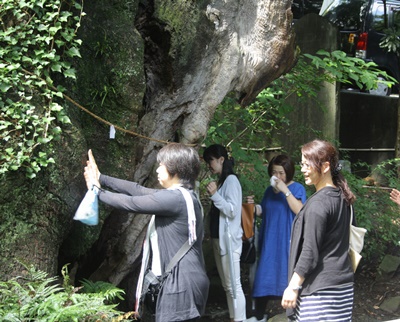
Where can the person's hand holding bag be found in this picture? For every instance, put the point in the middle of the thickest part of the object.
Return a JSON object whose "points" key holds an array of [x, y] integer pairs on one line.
{"points": [[92, 173], [88, 210]]}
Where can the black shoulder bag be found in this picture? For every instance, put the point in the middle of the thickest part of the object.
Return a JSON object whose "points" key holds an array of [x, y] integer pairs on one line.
{"points": [[153, 284]]}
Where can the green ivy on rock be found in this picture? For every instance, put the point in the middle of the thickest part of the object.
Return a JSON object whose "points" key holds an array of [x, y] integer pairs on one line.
{"points": [[37, 42]]}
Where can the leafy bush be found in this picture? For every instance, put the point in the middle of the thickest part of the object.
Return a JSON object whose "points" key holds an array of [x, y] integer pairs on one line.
{"points": [[36, 297], [376, 212]]}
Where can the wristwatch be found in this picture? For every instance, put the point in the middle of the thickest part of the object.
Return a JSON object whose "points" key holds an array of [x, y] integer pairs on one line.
{"points": [[287, 194]]}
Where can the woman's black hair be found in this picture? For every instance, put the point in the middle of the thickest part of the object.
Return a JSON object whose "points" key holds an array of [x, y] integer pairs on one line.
{"points": [[286, 163], [181, 160], [215, 151]]}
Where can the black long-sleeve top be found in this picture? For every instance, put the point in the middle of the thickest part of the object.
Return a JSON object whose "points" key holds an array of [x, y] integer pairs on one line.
{"points": [[320, 242]]}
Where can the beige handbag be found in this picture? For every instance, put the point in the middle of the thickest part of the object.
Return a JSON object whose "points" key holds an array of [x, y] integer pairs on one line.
{"points": [[356, 242]]}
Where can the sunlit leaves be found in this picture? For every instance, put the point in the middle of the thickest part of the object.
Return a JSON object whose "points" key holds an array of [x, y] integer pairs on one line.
{"points": [[345, 69], [391, 40]]}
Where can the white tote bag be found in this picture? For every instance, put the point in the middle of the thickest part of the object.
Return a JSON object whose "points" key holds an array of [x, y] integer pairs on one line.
{"points": [[356, 242]]}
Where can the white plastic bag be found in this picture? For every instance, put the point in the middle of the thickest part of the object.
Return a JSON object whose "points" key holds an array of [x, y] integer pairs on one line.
{"points": [[88, 210]]}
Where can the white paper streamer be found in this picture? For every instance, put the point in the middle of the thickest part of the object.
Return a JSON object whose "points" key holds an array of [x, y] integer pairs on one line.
{"points": [[112, 132]]}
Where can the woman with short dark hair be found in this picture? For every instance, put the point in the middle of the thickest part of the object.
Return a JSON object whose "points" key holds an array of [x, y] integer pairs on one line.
{"points": [[285, 162], [281, 203], [178, 220]]}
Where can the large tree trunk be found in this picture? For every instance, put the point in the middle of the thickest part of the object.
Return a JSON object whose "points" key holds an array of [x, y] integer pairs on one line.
{"points": [[159, 68]]}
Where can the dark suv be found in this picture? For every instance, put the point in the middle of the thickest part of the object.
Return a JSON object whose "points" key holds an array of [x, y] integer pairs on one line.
{"points": [[362, 24]]}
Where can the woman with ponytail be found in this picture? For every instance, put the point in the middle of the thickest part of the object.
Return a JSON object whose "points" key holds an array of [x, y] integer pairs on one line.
{"points": [[320, 272], [226, 197]]}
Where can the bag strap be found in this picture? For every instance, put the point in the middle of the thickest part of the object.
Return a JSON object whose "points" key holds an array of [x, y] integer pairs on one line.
{"points": [[186, 246], [178, 256], [253, 238], [351, 215]]}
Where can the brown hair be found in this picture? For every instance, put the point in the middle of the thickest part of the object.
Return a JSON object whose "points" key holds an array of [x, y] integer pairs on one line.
{"points": [[316, 153]]}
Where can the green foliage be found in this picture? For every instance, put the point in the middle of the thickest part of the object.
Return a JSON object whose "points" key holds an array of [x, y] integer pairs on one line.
{"points": [[102, 93], [391, 40], [102, 47], [36, 297], [106, 290], [254, 126], [37, 41], [342, 68]]}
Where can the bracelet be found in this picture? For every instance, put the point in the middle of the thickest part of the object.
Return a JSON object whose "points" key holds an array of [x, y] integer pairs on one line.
{"points": [[287, 194], [296, 288]]}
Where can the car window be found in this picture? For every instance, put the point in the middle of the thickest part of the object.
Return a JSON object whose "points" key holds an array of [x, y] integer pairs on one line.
{"points": [[392, 13], [347, 14], [378, 21], [396, 16], [303, 7]]}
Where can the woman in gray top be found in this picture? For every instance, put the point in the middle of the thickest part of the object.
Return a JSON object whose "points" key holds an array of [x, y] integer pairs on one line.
{"points": [[184, 293], [226, 197], [320, 272]]}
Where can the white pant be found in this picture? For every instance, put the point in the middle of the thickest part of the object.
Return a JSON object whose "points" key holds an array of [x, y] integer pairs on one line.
{"points": [[237, 313]]}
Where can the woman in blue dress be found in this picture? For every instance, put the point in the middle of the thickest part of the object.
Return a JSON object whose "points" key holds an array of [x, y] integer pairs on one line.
{"points": [[281, 203]]}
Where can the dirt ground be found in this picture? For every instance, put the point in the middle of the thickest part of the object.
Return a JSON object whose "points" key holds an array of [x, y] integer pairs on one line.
{"points": [[369, 295]]}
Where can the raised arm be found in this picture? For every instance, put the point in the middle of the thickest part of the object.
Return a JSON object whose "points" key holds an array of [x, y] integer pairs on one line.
{"points": [[91, 173], [294, 203]]}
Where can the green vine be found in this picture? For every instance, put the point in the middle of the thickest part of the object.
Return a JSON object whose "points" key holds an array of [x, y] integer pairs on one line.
{"points": [[37, 42]]}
